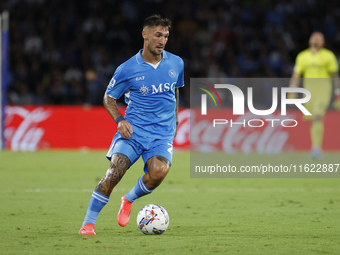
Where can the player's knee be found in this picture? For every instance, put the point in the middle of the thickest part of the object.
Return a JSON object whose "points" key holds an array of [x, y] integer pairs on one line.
{"points": [[161, 175], [158, 173], [118, 166], [120, 161]]}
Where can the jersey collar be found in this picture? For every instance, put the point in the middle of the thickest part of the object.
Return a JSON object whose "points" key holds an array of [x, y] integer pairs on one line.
{"points": [[140, 59]]}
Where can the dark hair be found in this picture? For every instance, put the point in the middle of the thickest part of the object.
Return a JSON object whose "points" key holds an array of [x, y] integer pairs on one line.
{"points": [[157, 20]]}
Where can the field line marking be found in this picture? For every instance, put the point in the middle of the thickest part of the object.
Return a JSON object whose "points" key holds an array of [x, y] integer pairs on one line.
{"points": [[176, 190]]}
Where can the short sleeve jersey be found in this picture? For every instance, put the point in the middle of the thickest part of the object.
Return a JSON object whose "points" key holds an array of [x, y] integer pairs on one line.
{"points": [[318, 65], [149, 93]]}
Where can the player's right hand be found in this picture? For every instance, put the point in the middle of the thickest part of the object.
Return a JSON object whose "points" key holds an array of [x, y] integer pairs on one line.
{"points": [[125, 129]]}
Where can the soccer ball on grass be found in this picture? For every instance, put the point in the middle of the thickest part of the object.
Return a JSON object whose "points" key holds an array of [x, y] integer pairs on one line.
{"points": [[153, 220]]}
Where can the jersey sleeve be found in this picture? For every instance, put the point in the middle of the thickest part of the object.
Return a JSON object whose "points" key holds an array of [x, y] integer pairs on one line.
{"points": [[180, 81], [298, 68], [332, 64], [118, 84]]}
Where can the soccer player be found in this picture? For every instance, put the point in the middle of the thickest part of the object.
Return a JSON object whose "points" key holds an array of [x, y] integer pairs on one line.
{"points": [[317, 62], [150, 82]]}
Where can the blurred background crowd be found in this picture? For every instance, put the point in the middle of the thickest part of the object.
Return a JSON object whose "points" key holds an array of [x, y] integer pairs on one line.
{"points": [[65, 51]]}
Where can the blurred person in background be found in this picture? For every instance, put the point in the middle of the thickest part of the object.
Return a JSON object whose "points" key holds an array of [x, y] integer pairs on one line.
{"points": [[317, 66]]}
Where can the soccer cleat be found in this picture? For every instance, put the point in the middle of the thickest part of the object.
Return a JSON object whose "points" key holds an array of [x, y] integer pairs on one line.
{"points": [[123, 215], [88, 229], [316, 153]]}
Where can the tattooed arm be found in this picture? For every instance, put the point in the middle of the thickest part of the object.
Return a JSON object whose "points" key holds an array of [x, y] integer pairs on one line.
{"points": [[177, 98], [124, 127]]}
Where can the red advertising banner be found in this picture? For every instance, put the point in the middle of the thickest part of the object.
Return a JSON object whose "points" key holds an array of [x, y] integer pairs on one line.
{"points": [[64, 127], [261, 134]]}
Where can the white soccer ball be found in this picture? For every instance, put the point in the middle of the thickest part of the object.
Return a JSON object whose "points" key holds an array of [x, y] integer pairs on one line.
{"points": [[153, 220]]}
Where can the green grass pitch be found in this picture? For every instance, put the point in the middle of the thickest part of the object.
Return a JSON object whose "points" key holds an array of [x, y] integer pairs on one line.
{"points": [[44, 196]]}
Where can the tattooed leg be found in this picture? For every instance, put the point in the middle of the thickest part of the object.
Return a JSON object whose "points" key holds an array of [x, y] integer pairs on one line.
{"points": [[158, 167], [119, 164], [100, 196]]}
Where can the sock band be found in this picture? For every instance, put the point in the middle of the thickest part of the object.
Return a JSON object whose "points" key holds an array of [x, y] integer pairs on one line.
{"points": [[143, 186], [137, 191], [97, 202], [102, 198]]}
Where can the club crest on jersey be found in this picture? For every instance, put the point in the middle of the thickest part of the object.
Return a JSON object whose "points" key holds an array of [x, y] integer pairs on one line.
{"points": [[172, 73], [112, 82], [144, 90]]}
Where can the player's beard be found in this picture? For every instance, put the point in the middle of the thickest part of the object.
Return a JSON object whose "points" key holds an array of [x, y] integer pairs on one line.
{"points": [[153, 51]]}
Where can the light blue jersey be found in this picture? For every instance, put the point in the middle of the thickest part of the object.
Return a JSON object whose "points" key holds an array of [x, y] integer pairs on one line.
{"points": [[149, 93]]}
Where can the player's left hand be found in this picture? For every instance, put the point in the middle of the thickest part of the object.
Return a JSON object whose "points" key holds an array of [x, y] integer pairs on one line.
{"points": [[336, 103]]}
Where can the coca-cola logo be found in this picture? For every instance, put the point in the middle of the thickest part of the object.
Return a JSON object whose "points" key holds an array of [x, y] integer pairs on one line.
{"points": [[204, 137], [24, 135]]}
